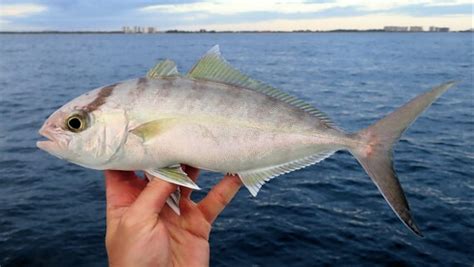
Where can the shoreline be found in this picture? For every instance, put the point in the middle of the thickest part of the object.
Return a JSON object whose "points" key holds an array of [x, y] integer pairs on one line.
{"points": [[214, 32]]}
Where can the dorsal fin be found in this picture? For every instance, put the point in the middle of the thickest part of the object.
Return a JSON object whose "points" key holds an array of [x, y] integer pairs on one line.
{"points": [[212, 66], [164, 68]]}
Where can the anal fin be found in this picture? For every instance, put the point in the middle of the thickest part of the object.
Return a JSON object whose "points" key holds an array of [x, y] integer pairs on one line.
{"points": [[254, 179]]}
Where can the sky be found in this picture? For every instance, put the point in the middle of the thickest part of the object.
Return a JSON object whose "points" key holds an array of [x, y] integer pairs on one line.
{"points": [[27, 15]]}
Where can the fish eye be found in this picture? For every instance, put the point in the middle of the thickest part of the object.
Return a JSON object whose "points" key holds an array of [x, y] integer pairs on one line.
{"points": [[76, 122]]}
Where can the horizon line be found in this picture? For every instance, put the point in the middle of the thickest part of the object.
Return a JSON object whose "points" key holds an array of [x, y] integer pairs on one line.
{"points": [[229, 31]]}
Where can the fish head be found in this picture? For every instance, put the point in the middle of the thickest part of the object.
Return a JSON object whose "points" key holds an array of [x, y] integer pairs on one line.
{"points": [[88, 131]]}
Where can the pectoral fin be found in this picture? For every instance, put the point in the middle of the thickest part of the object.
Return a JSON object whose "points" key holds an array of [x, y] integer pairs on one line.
{"points": [[175, 175], [151, 129]]}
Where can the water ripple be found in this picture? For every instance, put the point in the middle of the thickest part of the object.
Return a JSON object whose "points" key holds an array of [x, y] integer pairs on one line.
{"points": [[52, 212]]}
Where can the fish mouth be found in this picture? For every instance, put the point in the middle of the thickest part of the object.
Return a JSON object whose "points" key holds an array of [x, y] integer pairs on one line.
{"points": [[50, 144], [44, 144]]}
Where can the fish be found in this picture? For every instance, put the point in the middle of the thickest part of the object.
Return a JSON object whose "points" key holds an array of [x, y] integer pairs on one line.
{"points": [[218, 119]]}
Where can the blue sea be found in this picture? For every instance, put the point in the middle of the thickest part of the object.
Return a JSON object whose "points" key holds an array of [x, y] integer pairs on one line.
{"points": [[52, 213]]}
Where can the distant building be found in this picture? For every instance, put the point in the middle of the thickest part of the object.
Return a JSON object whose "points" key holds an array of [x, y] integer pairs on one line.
{"points": [[439, 29], [416, 29], [150, 30], [138, 29], [395, 29]]}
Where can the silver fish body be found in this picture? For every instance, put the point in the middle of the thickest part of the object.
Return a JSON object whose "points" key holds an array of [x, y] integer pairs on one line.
{"points": [[218, 119], [216, 126]]}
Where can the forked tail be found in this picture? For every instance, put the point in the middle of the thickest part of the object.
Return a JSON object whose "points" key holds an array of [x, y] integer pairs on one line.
{"points": [[374, 150]]}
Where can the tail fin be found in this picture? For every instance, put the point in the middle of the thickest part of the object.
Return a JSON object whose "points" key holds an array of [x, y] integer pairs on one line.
{"points": [[374, 151]]}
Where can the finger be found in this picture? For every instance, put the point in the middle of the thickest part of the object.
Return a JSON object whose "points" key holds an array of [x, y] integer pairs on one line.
{"points": [[193, 173], [219, 196], [152, 199], [122, 188]]}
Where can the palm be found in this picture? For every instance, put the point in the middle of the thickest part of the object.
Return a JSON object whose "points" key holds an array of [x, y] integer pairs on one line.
{"points": [[138, 237], [187, 235]]}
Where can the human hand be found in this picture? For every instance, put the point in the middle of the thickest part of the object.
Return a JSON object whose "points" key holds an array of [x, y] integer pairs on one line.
{"points": [[143, 231]]}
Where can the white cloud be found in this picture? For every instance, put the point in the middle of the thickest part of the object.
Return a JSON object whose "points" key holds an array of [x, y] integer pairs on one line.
{"points": [[223, 7], [370, 5], [368, 14], [375, 21], [20, 10], [449, 3]]}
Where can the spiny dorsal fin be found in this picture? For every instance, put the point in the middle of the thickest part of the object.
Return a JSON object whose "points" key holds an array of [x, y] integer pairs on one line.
{"points": [[212, 66], [164, 68]]}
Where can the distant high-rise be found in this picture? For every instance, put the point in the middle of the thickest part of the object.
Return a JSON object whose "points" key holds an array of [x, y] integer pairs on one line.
{"points": [[416, 29], [439, 29], [138, 29], [395, 29]]}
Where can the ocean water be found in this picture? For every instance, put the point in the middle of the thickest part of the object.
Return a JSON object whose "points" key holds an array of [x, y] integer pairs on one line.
{"points": [[52, 212]]}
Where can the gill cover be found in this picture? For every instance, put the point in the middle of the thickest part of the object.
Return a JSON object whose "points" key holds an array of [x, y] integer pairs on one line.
{"points": [[105, 136]]}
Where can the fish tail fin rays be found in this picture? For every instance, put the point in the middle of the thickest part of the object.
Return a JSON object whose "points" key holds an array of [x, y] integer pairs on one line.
{"points": [[374, 151]]}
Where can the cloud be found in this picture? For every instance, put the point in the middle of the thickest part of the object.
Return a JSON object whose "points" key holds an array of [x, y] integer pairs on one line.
{"points": [[372, 21], [223, 7], [180, 14], [21, 10], [251, 10], [193, 18], [319, 1], [427, 10], [220, 12]]}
